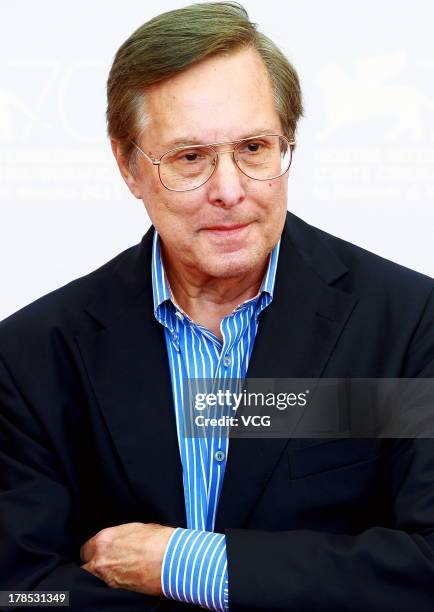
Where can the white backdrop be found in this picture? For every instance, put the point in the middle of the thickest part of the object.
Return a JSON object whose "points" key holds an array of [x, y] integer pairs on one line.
{"points": [[363, 169]]}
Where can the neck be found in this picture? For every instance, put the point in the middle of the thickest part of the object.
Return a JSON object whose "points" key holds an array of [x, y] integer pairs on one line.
{"points": [[207, 299]]}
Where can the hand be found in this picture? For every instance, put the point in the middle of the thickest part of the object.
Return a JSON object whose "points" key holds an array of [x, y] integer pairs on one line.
{"points": [[128, 556]]}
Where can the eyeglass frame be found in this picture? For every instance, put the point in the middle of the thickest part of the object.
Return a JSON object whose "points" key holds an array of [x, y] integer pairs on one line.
{"points": [[157, 162]]}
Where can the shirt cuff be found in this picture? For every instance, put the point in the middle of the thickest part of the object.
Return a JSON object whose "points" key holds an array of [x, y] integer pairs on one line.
{"points": [[195, 569]]}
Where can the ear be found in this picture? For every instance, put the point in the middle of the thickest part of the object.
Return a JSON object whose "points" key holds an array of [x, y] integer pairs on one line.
{"points": [[124, 168]]}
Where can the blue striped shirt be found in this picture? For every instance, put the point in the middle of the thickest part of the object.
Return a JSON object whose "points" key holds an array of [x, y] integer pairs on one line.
{"points": [[195, 563]]}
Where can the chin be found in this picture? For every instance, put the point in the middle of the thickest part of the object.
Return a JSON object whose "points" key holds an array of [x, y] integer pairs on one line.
{"points": [[233, 264]]}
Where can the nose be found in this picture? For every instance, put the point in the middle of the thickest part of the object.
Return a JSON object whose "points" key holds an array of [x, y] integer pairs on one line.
{"points": [[226, 186]]}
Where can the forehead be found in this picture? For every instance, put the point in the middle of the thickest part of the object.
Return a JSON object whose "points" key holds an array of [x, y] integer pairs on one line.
{"points": [[221, 98]]}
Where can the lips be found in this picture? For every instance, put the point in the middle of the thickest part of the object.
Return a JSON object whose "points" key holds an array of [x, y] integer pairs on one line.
{"points": [[227, 228], [229, 237]]}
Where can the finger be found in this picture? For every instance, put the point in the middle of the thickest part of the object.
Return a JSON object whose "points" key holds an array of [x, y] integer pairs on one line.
{"points": [[87, 550], [87, 568]]}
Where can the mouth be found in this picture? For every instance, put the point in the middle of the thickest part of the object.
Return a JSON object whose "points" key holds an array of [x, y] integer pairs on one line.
{"points": [[227, 230]]}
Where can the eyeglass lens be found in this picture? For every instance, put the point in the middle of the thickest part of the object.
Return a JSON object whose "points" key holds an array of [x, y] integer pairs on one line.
{"points": [[261, 158]]}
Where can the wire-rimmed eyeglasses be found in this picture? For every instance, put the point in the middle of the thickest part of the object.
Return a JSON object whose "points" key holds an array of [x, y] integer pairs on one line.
{"points": [[263, 158]]}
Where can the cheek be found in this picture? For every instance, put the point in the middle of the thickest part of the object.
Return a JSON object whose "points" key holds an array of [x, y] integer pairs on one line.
{"points": [[180, 204], [274, 193], [175, 219], [165, 206], [275, 205]]}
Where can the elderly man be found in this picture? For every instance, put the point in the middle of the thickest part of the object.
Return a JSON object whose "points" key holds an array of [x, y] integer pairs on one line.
{"points": [[102, 494]]}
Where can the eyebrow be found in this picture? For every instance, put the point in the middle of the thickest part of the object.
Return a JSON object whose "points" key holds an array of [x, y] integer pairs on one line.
{"points": [[191, 140]]}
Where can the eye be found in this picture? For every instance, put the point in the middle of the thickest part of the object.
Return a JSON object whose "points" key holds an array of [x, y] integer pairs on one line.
{"points": [[191, 157], [254, 147], [188, 157]]}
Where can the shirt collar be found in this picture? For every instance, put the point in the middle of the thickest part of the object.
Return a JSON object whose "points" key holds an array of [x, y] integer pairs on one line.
{"points": [[160, 284]]}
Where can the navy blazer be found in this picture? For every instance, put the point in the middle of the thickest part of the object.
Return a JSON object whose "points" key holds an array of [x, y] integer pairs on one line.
{"points": [[88, 438]]}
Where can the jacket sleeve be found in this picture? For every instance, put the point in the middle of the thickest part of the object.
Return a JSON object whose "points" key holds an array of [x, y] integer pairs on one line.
{"points": [[381, 569], [39, 541]]}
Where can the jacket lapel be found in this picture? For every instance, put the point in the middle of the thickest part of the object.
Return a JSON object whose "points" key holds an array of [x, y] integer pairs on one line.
{"points": [[295, 339], [128, 368]]}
